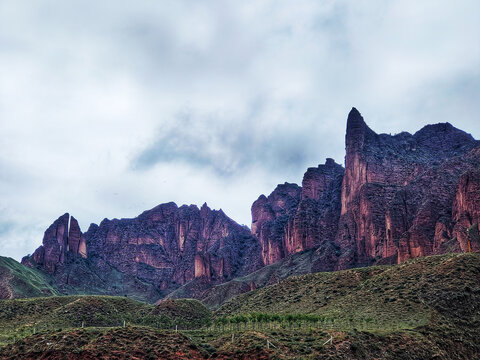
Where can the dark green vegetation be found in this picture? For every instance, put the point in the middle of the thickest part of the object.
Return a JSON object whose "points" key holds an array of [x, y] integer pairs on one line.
{"points": [[385, 297], [426, 308], [24, 317], [432, 301], [103, 343], [18, 281]]}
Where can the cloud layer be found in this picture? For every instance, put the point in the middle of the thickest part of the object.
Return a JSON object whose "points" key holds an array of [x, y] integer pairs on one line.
{"points": [[109, 108]]}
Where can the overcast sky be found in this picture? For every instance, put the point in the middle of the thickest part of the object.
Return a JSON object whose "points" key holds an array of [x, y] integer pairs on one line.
{"points": [[109, 108]]}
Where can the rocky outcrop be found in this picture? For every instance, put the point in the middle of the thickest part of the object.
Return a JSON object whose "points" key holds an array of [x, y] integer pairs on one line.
{"points": [[397, 192], [161, 249], [316, 218], [293, 218], [466, 211], [76, 242], [399, 197], [62, 239], [272, 221], [393, 202], [52, 253]]}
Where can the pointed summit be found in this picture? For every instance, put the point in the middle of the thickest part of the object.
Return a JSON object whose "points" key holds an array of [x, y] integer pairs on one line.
{"points": [[355, 121], [54, 245], [76, 241], [204, 210], [354, 112], [357, 130]]}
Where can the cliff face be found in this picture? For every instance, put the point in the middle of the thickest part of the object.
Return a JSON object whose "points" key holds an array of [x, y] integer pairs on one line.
{"points": [[316, 218], [161, 249], [398, 191], [272, 221], [61, 239], [466, 211], [398, 197], [293, 218]]}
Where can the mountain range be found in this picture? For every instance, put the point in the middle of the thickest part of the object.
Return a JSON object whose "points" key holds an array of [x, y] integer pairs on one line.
{"points": [[398, 197]]}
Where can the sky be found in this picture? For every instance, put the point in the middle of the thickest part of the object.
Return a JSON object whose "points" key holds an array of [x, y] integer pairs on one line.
{"points": [[109, 108]]}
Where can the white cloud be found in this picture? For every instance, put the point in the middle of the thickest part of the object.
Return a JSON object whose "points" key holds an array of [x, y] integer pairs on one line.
{"points": [[86, 88]]}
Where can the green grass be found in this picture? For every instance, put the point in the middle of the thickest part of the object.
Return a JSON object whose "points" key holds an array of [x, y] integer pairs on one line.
{"points": [[386, 298], [20, 281], [426, 308], [93, 343], [23, 317], [147, 343]]}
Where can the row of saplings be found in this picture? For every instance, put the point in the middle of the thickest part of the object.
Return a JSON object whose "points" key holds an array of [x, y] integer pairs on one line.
{"points": [[259, 321]]}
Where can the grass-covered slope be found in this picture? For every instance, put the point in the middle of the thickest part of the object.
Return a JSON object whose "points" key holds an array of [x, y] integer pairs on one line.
{"points": [[426, 308], [131, 342], [22, 317], [18, 281], [399, 296], [192, 312]]}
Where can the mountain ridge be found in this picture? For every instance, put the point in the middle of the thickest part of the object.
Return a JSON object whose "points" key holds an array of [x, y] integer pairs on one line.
{"points": [[397, 197]]}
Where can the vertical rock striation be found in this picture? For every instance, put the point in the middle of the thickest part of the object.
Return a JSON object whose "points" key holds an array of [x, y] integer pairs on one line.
{"points": [[398, 191], [466, 211], [397, 198], [293, 218], [272, 221], [156, 252]]}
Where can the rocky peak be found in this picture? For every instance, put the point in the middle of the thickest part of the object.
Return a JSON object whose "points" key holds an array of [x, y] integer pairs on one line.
{"points": [[158, 213], [269, 219], [76, 241], [443, 140], [357, 132], [317, 180], [293, 218], [61, 238], [283, 199], [152, 254], [392, 196], [284, 196], [205, 210], [330, 163], [398, 197]]}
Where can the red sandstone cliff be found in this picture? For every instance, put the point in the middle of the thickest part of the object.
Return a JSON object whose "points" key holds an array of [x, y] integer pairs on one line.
{"points": [[61, 238], [398, 197], [398, 191], [293, 219], [156, 252], [466, 211], [272, 221], [394, 200]]}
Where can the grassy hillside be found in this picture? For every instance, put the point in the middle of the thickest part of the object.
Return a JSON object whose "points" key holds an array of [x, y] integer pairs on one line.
{"points": [[18, 281], [23, 317], [432, 300], [131, 342], [426, 308], [402, 296], [135, 342]]}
